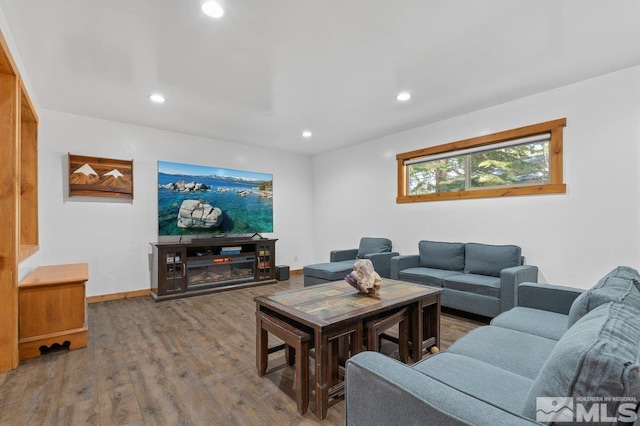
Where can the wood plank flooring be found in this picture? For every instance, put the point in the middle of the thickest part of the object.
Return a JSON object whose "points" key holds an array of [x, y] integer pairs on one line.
{"points": [[180, 362]]}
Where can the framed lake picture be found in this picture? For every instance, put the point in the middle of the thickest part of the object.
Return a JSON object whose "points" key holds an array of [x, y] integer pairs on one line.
{"points": [[195, 200], [100, 177]]}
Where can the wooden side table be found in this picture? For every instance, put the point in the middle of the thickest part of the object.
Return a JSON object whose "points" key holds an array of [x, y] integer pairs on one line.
{"points": [[52, 309]]}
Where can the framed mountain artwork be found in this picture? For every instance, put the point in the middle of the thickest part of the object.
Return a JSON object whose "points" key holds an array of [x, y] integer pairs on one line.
{"points": [[100, 177]]}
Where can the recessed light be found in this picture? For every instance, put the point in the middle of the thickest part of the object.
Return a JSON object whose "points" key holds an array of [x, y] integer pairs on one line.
{"points": [[213, 9], [306, 134], [403, 96], [156, 97]]}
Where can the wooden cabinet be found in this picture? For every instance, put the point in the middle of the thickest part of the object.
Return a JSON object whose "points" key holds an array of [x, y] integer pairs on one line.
{"points": [[169, 274], [18, 196], [205, 266], [266, 253], [52, 309]]}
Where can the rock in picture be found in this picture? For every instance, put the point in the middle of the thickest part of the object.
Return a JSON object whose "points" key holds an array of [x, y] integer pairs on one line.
{"points": [[196, 214]]}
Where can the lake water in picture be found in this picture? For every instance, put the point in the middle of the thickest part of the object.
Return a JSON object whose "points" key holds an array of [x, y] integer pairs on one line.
{"points": [[244, 200]]}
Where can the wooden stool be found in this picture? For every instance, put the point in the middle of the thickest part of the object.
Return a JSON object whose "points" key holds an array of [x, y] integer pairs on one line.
{"points": [[295, 340], [376, 328], [430, 327]]}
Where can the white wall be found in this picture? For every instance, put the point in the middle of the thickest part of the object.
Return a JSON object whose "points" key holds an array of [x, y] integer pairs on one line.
{"points": [[573, 238], [332, 200], [15, 54], [113, 236]]}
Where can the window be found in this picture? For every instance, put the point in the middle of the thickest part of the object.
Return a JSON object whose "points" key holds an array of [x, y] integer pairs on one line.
{"points": [[522, 161]]}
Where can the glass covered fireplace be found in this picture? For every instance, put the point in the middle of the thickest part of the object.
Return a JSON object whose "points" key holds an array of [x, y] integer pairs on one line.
{"points": [[220, 271]]}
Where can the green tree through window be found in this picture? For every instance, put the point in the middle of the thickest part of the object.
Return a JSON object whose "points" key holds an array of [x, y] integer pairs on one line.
{"points": [[443, 175], [522, 161], [516, 165]]}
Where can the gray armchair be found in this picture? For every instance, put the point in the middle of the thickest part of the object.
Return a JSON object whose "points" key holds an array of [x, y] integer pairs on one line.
{"points": [[378, 250]]}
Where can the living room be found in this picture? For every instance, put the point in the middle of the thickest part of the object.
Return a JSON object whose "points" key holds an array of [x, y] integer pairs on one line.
{"points": [[329, 199]]}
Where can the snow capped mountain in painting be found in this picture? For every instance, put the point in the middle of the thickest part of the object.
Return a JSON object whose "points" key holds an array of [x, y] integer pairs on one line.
{"points": [[87, 170], [84, 175], [115, 178], [115, 173]]}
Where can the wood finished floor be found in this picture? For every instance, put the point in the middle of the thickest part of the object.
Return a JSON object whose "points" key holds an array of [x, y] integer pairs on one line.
{"points": [[181, 362]]}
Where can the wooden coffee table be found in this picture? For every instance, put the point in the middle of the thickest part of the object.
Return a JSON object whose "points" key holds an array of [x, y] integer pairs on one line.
{"points": [[335, 310]]}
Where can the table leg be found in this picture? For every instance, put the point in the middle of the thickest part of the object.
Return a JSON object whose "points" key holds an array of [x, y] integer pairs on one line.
{"points": [[373, 341], [431, 320], [403, 340], [289, 354], [416, 331], [262, 342], [302, 377], [322, 375], [342, 351], [337, 354], [356, 339]]}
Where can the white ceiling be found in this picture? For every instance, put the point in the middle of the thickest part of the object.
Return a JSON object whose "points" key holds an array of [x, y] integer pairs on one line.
{"points": [[270, 69]]}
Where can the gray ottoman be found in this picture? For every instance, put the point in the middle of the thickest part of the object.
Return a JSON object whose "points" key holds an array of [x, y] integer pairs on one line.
{"points": [[322, 273]]}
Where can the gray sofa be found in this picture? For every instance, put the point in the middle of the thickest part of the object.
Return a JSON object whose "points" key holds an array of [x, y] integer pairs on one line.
{"points": [[378, 250], [476, 278], [559, 343]]}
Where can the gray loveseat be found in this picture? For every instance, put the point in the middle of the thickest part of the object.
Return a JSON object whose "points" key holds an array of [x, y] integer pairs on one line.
{"points": [[477, 278], [378, 250], [579, 351]]}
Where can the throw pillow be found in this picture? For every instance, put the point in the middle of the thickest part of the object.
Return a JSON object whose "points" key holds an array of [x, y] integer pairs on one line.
{"points": [[485, 259], [441, 255], [608, 289], [627, 273], [597, 357], [370, 245]]}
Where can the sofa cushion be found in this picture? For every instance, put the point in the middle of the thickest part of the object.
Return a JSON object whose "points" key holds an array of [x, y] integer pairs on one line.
{"points": [[597, 357], [370, 245], [550, 325], [521, 353], [608, 289], [425, 275], [472, 283], [469, 302], [441, 255], [485, 259], [330, 271], [471, 376]]}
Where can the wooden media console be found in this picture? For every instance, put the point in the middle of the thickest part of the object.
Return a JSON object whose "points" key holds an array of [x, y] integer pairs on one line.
{"points": [[210, 265]]}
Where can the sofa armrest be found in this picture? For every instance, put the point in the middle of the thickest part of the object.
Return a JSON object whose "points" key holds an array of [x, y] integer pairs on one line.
{"points": [[382, 262], [552, 298], [510, 278], [398, 263], [340, 255], [382, 391]]}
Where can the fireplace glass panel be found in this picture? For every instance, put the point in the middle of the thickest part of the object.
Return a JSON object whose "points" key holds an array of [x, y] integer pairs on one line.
{"points": [[221, 270]]}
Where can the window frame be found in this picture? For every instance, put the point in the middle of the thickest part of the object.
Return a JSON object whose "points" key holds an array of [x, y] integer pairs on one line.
{"points": [[555, 185]]}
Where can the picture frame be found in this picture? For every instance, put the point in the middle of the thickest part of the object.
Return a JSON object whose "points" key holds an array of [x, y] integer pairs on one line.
{"points": [[196, 199], [100, 177]]}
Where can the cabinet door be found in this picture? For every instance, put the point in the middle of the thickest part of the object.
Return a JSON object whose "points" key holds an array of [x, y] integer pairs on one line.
{"points": [[173, 272], [266, 260]]}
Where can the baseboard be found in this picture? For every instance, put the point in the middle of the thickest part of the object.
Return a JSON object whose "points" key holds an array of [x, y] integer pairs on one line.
{"points": [[295, 272], [117, 296]]}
